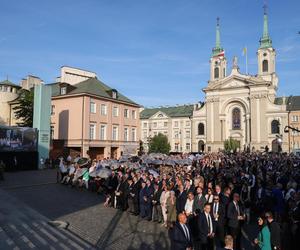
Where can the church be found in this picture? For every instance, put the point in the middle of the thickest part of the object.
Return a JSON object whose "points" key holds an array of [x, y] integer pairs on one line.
{"points": [[241, 106]]}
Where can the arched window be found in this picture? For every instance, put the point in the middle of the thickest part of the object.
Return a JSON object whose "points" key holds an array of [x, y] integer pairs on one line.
{"points": [[275, 127], [200, 129], [216, 73], [236, 118], [265, 66]]}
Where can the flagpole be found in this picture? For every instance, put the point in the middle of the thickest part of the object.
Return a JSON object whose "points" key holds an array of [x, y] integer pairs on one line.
{"points": [[246, 60]]}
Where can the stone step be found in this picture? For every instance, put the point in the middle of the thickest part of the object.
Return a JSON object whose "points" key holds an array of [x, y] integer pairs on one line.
{"points": [[25, 228], [6, 242]]}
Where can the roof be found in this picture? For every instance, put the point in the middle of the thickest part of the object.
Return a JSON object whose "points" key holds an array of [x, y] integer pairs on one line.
{"points": [[292, 102], [177, 111], [91, 86], [9, 83]]}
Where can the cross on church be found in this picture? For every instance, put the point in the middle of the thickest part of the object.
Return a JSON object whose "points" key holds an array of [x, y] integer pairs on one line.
{"points": [[265, 7]]}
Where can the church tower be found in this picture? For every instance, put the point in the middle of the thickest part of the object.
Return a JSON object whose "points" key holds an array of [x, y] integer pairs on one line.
{"points": [[266, 54], [217, 61]]}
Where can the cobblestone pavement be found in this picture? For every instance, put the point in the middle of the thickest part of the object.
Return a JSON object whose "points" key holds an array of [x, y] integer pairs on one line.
{"points": [[104, 228], [23, 228]]}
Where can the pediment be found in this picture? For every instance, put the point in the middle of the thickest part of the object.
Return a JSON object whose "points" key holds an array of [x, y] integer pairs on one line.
{"points": [[234, 81], [159, 115]]}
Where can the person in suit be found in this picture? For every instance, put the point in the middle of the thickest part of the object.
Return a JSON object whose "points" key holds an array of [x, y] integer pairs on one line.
{"points": [[206, 229], [274, 230], [181, 199], [156, 208], [180, 234], [199, 201], [218, 215], [264, 237], [235, 216]]}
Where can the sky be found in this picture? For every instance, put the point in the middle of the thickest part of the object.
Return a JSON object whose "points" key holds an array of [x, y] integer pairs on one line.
{"points": [[156, 52]]}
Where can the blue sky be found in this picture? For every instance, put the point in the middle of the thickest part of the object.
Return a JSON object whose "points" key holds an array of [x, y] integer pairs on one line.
{"points": [[156, 52]]}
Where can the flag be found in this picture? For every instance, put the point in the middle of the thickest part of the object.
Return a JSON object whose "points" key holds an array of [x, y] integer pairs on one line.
{"points": [[222, 53], [244, 51]]}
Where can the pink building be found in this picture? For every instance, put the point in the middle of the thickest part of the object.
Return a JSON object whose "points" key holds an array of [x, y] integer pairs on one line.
{"points": [[90, 118]]}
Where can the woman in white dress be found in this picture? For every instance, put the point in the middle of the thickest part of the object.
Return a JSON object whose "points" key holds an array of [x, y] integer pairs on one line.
{"points": [[163, 202]]}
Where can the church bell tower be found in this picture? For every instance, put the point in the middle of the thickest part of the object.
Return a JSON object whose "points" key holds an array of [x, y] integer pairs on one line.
{"points": [[218, 61], [266, 54]]}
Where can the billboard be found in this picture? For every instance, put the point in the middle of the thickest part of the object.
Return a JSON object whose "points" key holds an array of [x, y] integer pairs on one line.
{"points": [[18, 139]]}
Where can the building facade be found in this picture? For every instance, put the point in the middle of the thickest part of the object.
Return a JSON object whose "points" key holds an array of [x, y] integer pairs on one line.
{"points": [[174, 122], [241, 106], [293, 107], [9, 92], [92, 119]]}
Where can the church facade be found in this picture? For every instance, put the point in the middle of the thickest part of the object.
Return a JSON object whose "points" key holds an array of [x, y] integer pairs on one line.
{"points": [[241, 106]]}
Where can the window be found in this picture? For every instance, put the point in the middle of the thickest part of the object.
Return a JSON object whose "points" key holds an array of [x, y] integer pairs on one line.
{"points": [[265, 66], [176, 124], [145, 125], [102, 132], [176, 134], [63, 90], [187, 123], [154, 124], [126, 134], [4, 88], [133, 114], [114, 94], [216, 72], [165, 124], [115, 111], [176, 147], [92, 131], [236, 118], [295, 118], [115, 133], [52, 109], [201, 129], [103, 109], [126, 113], [160, 115], [188, 146], [92, 107], [133, 134], [275, 127], [51, 132], [145, 135], [187, 134]]}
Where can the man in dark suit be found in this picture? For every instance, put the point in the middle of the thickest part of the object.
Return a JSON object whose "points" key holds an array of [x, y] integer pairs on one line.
{"points": [[218, 215], [206, 229], [180, 234], [199, 201], [180, 199], [235, 217], [274, 231], [156, 207]]}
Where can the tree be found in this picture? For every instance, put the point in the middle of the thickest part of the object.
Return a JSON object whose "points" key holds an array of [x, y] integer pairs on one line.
{"points": [[24, 109], [159, 144], [231, 145]]}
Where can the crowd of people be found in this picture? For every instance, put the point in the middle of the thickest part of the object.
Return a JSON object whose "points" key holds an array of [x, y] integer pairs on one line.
{"points": [[205, 201]]}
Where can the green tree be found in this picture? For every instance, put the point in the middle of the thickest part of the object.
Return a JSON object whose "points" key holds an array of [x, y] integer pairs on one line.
{"points": [[159, 144], [231, 145], [24, 109]]}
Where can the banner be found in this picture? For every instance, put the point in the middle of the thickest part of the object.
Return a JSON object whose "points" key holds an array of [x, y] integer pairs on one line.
{"points": [[18, 139]]}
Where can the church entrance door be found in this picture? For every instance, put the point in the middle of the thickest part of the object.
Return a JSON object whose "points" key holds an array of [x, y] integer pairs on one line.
{"points": [[275, 146], [201, 146]]}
